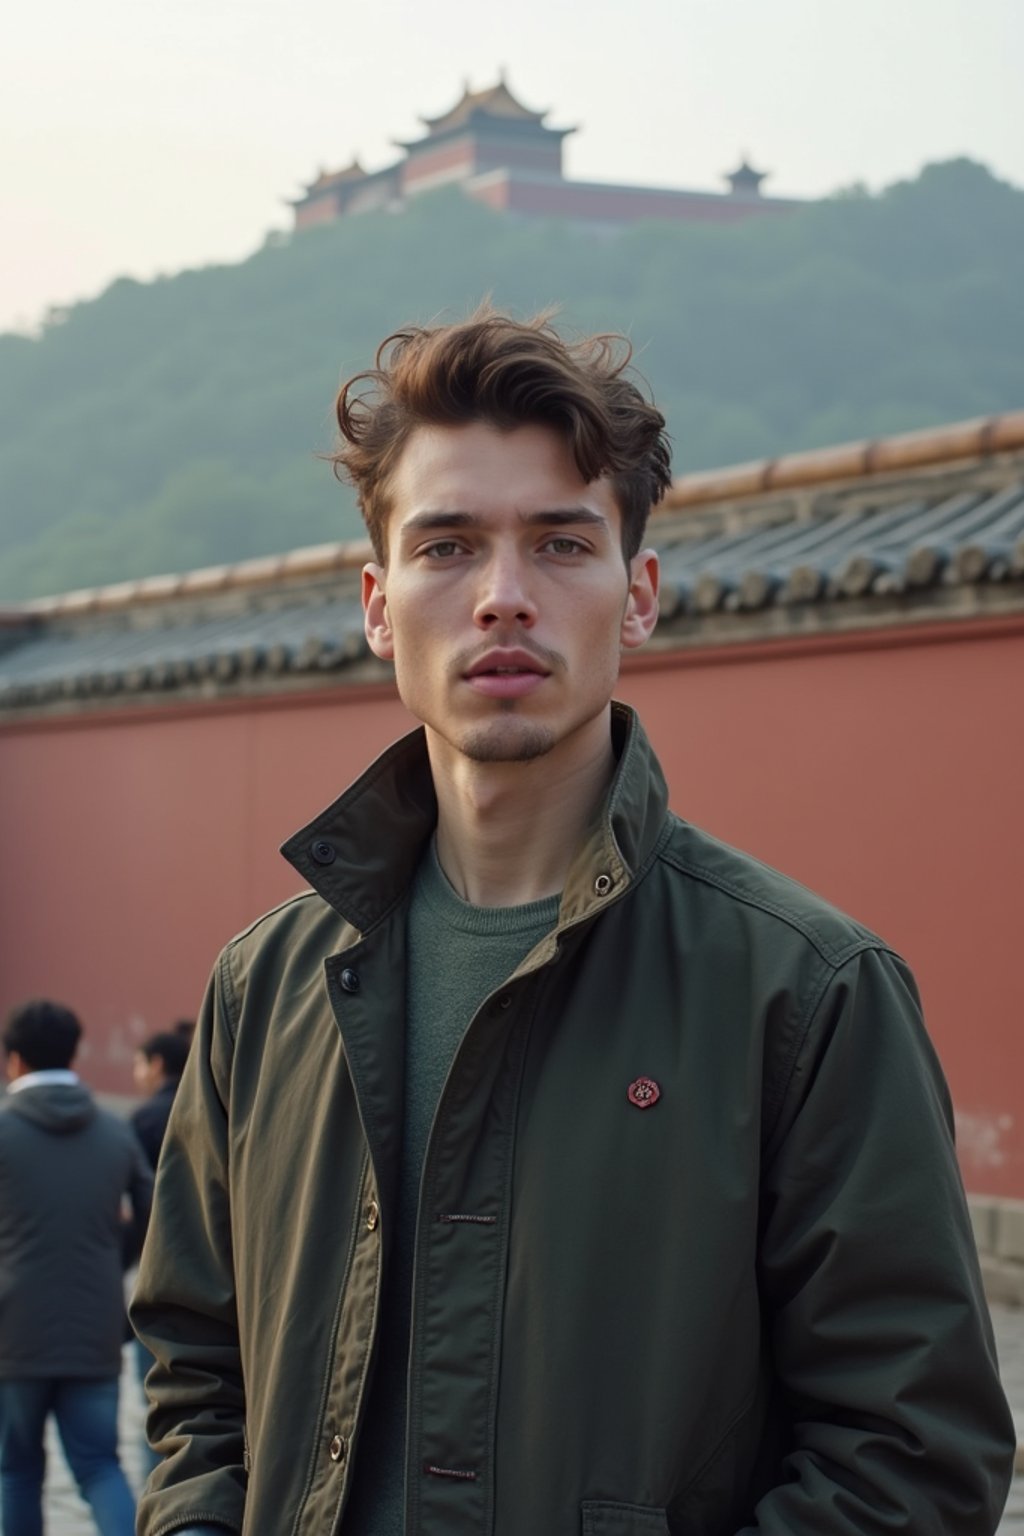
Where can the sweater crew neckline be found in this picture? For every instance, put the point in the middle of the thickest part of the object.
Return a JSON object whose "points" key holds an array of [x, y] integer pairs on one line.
{"points": [[437, 891]]}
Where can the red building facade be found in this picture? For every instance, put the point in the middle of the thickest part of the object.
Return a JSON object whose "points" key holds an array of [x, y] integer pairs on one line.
{"points": [[505, 155]]}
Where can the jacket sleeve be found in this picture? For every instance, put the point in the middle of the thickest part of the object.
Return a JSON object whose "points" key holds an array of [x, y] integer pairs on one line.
{"points": [[880, 1331], [183, 1309]]}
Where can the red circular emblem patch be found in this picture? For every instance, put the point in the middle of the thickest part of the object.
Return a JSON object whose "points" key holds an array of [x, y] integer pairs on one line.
{"points": [[643, 1093]]}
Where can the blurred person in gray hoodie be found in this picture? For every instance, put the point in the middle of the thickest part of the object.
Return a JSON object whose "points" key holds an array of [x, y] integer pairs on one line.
{"points": [[65, 1167]]}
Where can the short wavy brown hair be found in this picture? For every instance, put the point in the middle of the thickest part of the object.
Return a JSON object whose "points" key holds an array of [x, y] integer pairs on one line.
{"points": [[509, 373]]}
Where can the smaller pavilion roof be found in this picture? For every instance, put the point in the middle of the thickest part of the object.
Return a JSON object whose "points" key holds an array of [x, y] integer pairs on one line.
{"points": [[327, 179], [744, 178]]}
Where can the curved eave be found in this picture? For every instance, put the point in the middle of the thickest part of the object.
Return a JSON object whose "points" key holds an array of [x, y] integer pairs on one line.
{"points": [[491, 128], [934, 446]]}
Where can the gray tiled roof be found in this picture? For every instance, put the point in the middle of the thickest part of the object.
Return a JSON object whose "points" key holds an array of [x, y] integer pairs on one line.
{"points": [[880, 552], [106, 658], [969, 536]]}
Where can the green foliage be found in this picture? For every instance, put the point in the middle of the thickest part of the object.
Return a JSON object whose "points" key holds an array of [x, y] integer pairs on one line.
{"points": [[181, 422]]}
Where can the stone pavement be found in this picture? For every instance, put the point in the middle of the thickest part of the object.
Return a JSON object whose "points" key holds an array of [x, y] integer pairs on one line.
{"points": [[1009, 1329], [66, 1515]]}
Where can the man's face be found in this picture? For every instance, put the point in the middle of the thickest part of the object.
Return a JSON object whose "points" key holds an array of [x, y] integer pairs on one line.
{"points": [[147, 1072], [505, 602]]}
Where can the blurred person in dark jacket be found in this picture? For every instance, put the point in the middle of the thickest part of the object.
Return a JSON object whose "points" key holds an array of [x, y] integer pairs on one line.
{"points": [[65, 1167], [159, 1063]]}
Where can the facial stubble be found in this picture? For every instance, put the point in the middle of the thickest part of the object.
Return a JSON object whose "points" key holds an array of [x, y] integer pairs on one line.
{"points": [[508, 739]]}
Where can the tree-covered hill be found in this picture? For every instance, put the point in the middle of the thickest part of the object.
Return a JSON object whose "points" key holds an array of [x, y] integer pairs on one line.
{"points": [[178, 423]]}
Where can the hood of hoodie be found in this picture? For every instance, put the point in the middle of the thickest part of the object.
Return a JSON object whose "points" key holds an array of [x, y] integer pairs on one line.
{"points": [[55, 1107]]}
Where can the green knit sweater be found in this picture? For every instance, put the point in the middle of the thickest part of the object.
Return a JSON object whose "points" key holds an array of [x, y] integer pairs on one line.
{"points": [[457, 955]]}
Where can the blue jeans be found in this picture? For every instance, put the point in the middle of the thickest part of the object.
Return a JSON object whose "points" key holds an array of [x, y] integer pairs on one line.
{"points": [[148, 1458], [86, 1414]]}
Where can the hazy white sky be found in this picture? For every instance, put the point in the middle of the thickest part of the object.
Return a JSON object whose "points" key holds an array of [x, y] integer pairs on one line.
{"points": [[142, 136]]}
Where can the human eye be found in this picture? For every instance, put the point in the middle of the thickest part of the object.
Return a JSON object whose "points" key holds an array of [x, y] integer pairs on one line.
{"points": [[442, 549], [564, 544]]}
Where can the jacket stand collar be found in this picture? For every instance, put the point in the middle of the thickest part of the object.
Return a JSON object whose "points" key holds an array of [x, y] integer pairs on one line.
{"points": [[360, 854]]}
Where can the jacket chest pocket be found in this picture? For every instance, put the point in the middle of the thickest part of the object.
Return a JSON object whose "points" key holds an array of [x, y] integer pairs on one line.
{"points": [[603, 1518]]}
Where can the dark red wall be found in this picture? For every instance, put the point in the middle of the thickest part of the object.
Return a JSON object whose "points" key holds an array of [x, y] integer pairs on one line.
{"points": [[132, 848], [579, 200], [884, 771], [887, 777]]}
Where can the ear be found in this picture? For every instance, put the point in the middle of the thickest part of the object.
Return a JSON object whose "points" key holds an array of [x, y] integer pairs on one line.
{"points": [[375, 613], [641, 613], [16, 1066]]}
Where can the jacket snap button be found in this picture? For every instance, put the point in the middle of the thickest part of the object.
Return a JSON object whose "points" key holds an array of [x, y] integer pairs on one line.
{"points": [[323, 851], [337, 1449], [505, 1000], [372, 1216], [350, 980], [602, 885]]}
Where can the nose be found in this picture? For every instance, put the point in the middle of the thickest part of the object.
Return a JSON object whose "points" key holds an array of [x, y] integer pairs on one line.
{"points": [[504, 595]]}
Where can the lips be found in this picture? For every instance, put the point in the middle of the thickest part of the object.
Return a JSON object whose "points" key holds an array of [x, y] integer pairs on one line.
{"points": [[506, 674], [507, 663]]}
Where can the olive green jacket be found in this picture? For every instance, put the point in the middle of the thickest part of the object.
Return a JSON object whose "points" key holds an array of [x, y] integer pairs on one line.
{"points": [[741, 1296]]}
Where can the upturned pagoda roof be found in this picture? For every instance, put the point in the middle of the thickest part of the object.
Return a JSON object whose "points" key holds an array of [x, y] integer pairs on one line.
{"points": [[496, 101]]}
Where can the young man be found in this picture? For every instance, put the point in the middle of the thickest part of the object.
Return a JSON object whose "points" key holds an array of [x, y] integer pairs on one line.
{"points": [[65, 1169], [551, 1167]]}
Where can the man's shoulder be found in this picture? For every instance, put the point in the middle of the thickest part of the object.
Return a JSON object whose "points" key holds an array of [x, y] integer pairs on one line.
{"points": [[300, 931], [151, 1113], [717, 875], [70, 1116], [8, 1120], [305, 912]]}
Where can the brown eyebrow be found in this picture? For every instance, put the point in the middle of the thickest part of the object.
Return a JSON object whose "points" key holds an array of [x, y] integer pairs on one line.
{"points": [[555, 517]]}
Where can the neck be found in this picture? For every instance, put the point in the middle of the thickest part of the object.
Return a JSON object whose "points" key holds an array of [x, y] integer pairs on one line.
{"points": [[507, 832]]}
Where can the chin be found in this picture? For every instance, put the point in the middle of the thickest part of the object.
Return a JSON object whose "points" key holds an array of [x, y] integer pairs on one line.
{"points": [[507, 741]]}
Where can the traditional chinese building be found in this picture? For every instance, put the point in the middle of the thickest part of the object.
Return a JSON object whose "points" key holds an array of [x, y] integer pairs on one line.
{"points": [[505, 155]]}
